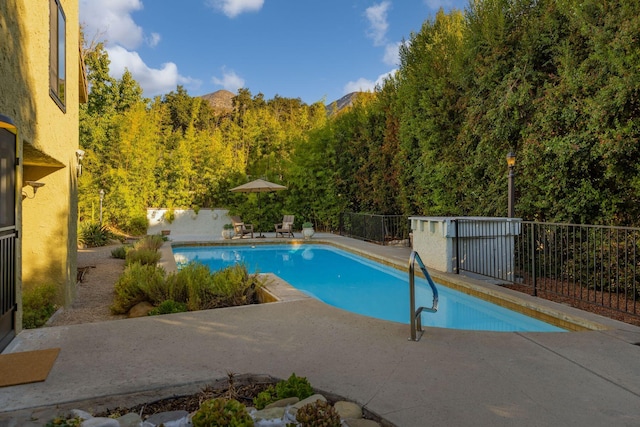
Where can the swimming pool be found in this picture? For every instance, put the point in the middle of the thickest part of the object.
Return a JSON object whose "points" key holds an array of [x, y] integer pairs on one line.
{"points": [[362, 286]]}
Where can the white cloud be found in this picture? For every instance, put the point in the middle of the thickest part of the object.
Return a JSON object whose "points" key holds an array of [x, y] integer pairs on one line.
{"points": [[378, 25], [111, 20], [392, 54], [233, 8], [229, 81], [152, 80], [366, 85], [153, 39]]}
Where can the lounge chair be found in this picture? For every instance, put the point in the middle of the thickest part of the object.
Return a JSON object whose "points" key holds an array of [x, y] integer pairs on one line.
{"points": [[241, 228], [285, 227]]}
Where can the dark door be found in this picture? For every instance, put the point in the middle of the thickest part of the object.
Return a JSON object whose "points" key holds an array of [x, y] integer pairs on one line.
{"points": [[8, 234]]}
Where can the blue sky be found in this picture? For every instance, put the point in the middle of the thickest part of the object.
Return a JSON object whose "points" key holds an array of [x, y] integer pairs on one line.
{"points": [[310, 49]]}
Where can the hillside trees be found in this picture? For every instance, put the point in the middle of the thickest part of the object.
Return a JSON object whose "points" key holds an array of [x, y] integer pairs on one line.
{"points": [[174, 152], [556, 81]]}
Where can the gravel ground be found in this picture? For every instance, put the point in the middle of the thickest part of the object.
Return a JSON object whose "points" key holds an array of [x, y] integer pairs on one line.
{"points": [[95, 292]]}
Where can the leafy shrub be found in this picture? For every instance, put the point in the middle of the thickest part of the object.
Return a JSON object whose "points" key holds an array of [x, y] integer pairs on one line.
{"points": [[222, 412], [137, 225], [202, 290], [170, 216], [318, 414], [167, 307], [142, 256], [121, 251], [265, 397], [234, 286], [38, 305], [153, 242], [228, 227], [194, 283], [292, 387], [92, 234], [138, 283], [64, 422]]}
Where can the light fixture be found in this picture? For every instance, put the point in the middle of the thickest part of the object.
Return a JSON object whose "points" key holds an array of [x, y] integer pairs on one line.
{"points": [[80, 156], [34, 185], [511, 163]]}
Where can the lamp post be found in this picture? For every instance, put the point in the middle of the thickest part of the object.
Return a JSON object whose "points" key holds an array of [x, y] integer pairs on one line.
{"points": [[511, 163], [101, 199]]}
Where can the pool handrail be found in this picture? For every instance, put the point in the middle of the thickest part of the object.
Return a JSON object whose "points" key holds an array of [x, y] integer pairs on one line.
{"points": [[416, 315]]}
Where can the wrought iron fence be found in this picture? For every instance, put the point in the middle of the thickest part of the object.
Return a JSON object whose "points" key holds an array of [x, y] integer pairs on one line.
{"points": [[591, 264], [7, 286], [382, 229]]}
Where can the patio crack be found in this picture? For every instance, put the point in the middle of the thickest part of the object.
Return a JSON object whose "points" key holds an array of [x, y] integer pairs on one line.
{"points": [[586, 368]]}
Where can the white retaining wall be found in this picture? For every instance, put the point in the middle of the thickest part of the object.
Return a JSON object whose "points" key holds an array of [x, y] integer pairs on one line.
{"points": [[207, 222]]}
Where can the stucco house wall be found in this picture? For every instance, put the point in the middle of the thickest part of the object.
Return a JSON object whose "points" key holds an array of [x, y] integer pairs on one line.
{"points": [[47, 141]]}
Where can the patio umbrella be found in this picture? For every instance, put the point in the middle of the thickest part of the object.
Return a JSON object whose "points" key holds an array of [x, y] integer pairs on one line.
{"points": [[258, 186]]}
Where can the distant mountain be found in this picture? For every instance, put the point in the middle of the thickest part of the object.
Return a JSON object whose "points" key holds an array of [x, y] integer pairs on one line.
{"points": [[342, 103], [221, 101]]}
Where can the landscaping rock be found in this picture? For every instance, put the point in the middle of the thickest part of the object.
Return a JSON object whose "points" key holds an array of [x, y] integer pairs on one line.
{"points": [[141, 309], [100, 422], [283, 403], [293, 409], [279, 414], [130, 420], [269, 414], [168, 419], [348, 410]]}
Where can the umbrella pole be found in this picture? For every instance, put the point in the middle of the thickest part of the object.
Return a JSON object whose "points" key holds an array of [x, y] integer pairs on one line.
{"points": [[260, 214]]}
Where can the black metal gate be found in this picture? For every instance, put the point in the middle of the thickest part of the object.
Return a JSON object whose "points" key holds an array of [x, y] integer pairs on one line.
{"points": [[8, 231]]}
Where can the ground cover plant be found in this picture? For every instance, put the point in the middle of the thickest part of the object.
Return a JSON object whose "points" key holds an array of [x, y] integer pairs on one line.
{"points": [[194, 287], [93, 234], [38, 305]]}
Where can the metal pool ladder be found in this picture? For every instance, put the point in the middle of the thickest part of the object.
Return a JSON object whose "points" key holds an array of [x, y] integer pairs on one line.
{"points": [[416, 318]]}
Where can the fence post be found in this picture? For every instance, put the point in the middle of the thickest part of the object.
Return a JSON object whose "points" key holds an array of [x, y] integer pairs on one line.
{"points": [[457, 243], [533, 260]]}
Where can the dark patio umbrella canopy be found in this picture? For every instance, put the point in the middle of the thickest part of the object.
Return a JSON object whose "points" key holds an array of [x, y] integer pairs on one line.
{"points": [[258, 186]]}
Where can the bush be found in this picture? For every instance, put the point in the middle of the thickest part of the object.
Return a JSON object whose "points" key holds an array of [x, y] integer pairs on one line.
{"points": [[138, 283], [292, 387], [38, 305], [137, 225], [121, 251], [153, 242], [222, 412], [167, 307], [142, 256], [194, 285], [234, 286], [93, 234], [318, 414]]}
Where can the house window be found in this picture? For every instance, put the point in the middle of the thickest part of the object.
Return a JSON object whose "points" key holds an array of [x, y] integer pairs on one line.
{"points": [[57, 63]]}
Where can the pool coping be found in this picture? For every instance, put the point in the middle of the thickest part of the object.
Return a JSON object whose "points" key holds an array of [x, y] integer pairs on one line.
{"points": [[278, 290]]}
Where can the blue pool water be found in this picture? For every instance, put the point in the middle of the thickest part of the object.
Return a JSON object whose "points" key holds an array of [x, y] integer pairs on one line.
{"points": [[359, 285]]}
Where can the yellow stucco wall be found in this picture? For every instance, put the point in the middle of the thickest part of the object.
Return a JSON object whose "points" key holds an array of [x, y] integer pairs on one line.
{"points": [[48, 140]]}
